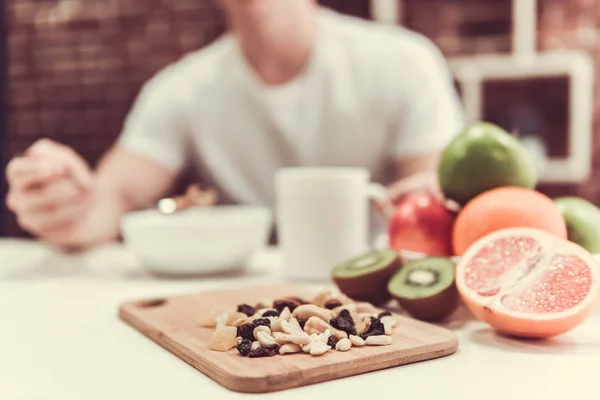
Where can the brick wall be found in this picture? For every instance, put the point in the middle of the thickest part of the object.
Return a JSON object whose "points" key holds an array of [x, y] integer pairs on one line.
{"points": [[468, 27], [76, 66]]}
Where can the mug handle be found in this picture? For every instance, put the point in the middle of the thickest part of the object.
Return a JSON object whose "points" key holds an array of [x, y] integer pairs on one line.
{"points": [[380, 195]]}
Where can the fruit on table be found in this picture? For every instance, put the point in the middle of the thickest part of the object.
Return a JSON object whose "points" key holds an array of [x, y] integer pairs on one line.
{"points": [[223, 338], [506, 207], [525, 282], [583, 222], [365, 278], [426, 289], [484, 157], [422, 223]]}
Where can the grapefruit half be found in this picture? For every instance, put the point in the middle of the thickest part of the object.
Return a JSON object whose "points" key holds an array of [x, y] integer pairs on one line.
{"points": [[528, 283]]}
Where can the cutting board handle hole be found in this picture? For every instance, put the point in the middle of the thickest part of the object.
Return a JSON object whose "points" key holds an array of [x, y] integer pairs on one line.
{"points": [[152, 303]]}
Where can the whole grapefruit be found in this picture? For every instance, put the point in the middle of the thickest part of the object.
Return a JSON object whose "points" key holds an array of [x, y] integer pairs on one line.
{"points": [[483, 157], [527, 283], [506, 207]]}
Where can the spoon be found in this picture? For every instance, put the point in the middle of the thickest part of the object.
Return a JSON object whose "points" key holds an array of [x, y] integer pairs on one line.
{"points": [[194, 196]]}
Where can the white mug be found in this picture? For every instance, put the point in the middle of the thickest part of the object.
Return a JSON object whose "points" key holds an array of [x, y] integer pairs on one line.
{"points": [[323, 217]]}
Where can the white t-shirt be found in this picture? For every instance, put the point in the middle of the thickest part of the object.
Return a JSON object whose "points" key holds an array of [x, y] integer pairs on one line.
{"points": [[370, 93]]}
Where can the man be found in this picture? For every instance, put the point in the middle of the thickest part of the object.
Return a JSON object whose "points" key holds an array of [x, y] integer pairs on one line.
{"points": [[291, 83]]}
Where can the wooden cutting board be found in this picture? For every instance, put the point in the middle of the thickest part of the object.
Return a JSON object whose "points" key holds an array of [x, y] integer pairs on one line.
{"points": [[173, 323]]}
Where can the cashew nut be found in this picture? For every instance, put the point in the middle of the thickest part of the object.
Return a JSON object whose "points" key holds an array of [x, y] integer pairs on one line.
{"points": [[290, 328], [285, 314], [289, 348], [265, 339], [296, 338], [261, 328], [305, 311], [362, 324], [379, 340], [343, 345], [255, 345], [357, 341], [317, 325], [312, 340], [319, 348]]}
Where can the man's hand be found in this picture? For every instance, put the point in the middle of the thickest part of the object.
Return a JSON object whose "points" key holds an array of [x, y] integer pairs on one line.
{"points": [[50, 188]]}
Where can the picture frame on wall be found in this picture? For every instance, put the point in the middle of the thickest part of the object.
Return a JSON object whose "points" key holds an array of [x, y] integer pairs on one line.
{"points": [[547, 100]]}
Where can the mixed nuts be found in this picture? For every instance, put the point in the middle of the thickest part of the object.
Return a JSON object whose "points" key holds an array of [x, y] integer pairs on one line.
{"points": [[292, 325]]}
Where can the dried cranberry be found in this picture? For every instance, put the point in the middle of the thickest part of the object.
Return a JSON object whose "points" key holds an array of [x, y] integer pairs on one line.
{"points": [[246, 309], [244, 347], [262, 321], [265, 351], [246, 331], [332, 341], [270, 313], [384, 314], [344, 322], [279, 305], [331, 304], [377, 328]]}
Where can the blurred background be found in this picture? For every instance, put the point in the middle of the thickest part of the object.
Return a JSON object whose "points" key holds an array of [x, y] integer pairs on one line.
{"points": [[71, 69]]}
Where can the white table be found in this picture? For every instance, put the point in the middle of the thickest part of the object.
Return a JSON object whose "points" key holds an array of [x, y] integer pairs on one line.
{"points": [[60, 339]]}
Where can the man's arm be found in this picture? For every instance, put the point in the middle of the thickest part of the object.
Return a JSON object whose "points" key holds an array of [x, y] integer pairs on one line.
{"points": [[57, 198], [413, 174], [428, 116]]}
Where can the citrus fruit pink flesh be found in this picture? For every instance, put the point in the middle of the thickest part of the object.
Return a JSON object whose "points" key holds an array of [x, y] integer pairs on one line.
{"points": [[527, 283]]}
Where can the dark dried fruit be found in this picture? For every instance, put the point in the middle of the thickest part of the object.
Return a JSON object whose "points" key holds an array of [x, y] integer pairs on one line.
{"points": [[296, 300], [270, 313], [331, 304], [246, 309], [262, 321], [377, 328], [384, 314], [332, 341], [265, 351], [301, 323], [279, 305], [246, 331], [244, 347], [344, 322], [373, 319]]}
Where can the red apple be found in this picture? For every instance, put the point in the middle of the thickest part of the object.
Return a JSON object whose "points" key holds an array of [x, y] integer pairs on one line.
{"points": [[423, 224]]}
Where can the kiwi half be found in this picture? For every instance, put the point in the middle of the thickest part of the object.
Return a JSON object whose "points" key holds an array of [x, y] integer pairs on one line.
{"points": [[426, 288], [365, 278]]}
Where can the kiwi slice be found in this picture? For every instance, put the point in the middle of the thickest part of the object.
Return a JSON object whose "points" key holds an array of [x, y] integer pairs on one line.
{"points": [[365, 278], [426, 288]]}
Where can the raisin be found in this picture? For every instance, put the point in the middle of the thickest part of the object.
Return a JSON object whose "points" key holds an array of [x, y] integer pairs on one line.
{"points": [[244, 347], [246, 331], [377, 328], [344, 322], [296, 300], [265, 351], [384, 314], [270, 313], [246, 309], [332, 341], [279, 305], [373, 319], [262, 321], [331, 304]]}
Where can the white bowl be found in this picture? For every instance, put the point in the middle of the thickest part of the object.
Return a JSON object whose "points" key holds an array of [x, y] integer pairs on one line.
{"points": [[199, 240]]}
